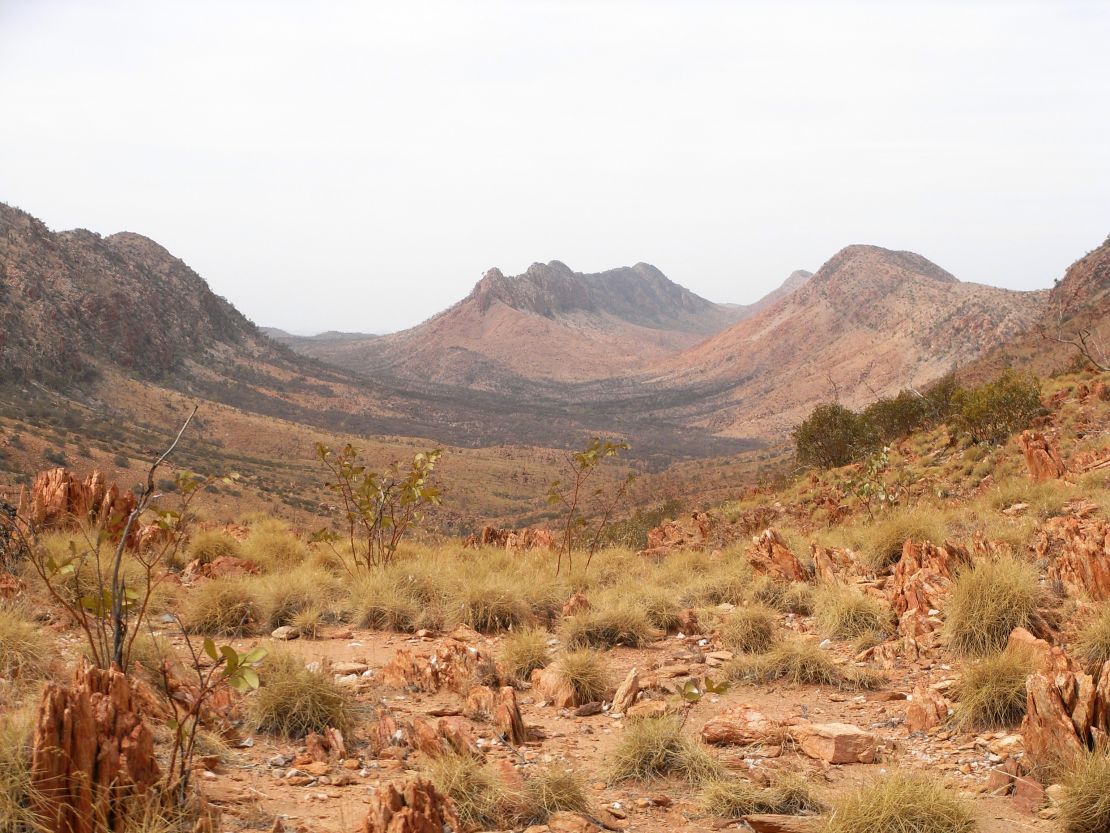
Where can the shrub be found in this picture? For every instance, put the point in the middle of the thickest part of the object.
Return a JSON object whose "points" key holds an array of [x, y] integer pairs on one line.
{"points": [[523, 651], [273, 546], [990, 599], [554, 790], [991, 691], [898, 416], [750, 630], [844, 613], [901, 804], [23, 650], [294, 701], [210, 544], [1094, 640], [221, 607], [994, 411], [483, 801], [1085, 807], [800, 662], [283, 596], [493, 603], [657, 746], [607, 627], [882, 541], [736, 797], [586, 673], [832, 436]]}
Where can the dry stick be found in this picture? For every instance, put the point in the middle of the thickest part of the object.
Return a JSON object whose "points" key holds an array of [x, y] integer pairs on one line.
{"points": [[118, 589]]}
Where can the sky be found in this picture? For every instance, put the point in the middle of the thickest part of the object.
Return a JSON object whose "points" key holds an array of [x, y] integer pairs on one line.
{"points": [[358, 166]]}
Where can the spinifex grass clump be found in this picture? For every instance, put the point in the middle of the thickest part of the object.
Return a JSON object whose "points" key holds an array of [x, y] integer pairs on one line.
{"points": [[1094, 640], [883, 540], [843, 613], [750, 630], [731, 797], [1085, 807], [294, 701], [23, 650], [554, 790], [991, 691], [608, 627], [209, 544], [800, 662], [585, 671], [901, 804], [658, 746], [989, 600], [222, 607], [523, 651]]}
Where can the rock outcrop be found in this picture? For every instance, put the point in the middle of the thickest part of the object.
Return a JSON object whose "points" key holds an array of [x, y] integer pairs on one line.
{"points": [[451, 665], [741, 726], [1042, 458], [59, 500], [770, 554], [530, 538], [1078, 552], [919, 588], [415, 806], [92, 754]]}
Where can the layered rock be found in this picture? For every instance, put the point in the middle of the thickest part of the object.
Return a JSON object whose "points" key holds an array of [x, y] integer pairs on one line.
{"points": [[59, 500], [837, 743], [415, 806], [452, 665], [769, 554], [919, 588], [696, 531], [741, 725], [530, 538], [1042, 458], [1078, 551], [926, 709], [92, 754]]}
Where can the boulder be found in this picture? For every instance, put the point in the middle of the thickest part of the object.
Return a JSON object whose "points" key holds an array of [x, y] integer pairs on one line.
{"points": [[741, 726], [550, 685], [412, 807], [926, 709], [92, 754], [836, 743], [446, 735], [1041, 456], [696, 531], [830, 562]]}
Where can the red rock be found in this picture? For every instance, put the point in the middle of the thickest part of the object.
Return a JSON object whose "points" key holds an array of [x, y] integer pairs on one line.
{"points": [[414, 807], [448, 734], [507, 718], [60, 501], [577, 603], [451, 665], [696, 531], [519, 540], [921, 582], [1041, 456], [550, 685], [91, 753], [1078, 552], [770, 823], [926, 709], [1029, 795], [627, 692], [836, 743], [741, 726], [770, 554]]}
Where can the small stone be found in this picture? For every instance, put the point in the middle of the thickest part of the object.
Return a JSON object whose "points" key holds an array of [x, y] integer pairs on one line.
{"points": [[286, 632]]}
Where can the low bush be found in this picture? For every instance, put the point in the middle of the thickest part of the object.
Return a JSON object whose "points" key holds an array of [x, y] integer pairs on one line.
{"points": [[881, 542], [833, 436], [844, 613], [1085, 807], [608, 627], [750, 630], [800, 662], [991, 691], [732, 798], [586, 672], [23, 650], [990, 599], [294, 701], [657, 746], [208, 545], [1093, 644], [284, 596], [523, 651], [994, 411], [221, 607], [901, 804], [273, 546], [492, 604], [554, 790], [482, 799], [16, 732]]}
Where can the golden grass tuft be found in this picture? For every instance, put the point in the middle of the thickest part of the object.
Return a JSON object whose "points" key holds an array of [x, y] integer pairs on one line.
{"points": [[492, 603], [16, 730], [554, 790], [1085, 807], [24, 654], [606, 627], [523, 651], [273, 546], [657, 746], [209, 544], [221, 607], [283, 596], [394, 601], [731, 797], [900, 803], [1093, 644], [482, 799], [881, 542], [843, 613], [991, 691], [990, 599], [586, 672], [801, 662], [750, 630], [727, 582], [294, 701]]}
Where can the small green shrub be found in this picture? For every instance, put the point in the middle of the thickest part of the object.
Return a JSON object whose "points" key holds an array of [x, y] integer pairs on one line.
{"points": [[833, 436], [996, 410]]}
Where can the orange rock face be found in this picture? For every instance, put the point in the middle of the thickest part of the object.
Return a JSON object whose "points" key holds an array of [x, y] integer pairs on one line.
{"points": [[770, 554], [1078, 550], [691, 532], [92, 753], [920, 584], [1041, 456], [837, 743], [413, 807], [451, 665], [927, 709], [531, 538], [60, 501], [740, 726]]}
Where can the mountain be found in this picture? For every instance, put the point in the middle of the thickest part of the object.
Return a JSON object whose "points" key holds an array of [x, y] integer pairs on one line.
{"points": [[797, 280], [549, 324], [870, 322]]}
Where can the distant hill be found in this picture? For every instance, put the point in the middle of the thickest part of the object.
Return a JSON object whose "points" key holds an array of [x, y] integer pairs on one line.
{"points": [[549, 323]]}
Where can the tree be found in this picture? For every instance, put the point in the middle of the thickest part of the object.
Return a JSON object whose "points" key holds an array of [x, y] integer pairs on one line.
{"points": [[994, 411], [832, 436]]}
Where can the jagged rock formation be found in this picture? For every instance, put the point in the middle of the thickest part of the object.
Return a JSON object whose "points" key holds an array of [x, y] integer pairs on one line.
{"points": [[1078, 552], [451, 665], [919, 589], [530, 538], [413, 807], [92, 754], [59, 500], [770, 554], [1042, 458]]}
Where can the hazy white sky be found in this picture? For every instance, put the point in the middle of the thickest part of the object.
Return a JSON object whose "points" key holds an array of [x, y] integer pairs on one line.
{"points": [[357, 166]]}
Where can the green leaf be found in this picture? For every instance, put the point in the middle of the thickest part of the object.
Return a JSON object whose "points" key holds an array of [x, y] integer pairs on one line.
{"points": [[231, 656], [254, 656], [210, 649], [250, 676]]}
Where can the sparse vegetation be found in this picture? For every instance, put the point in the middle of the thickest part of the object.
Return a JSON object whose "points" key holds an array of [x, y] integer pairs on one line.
{"points": [[294, 701], [523, 651], [990, 599], [844, 613], [750, 630], [800, 662], [900, 803], [221, 607], [1085, 807], [1094, 640], [23, 649], [587, 673], [991, 691], [733, 797], [208, 545], [621, 624], [658, 746], [882, 541]]}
